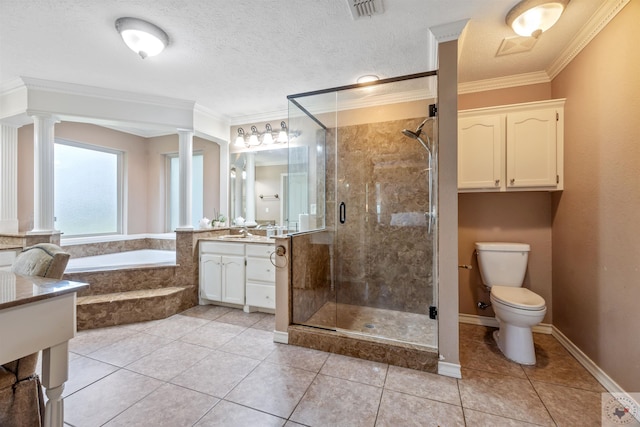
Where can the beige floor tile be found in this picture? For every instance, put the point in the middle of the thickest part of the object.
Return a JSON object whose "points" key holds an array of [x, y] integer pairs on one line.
{"points": [[252, 343], [561, 369], [88, 341], [266, 324], [354, 369], [486, 356], [423, 384], [228, 414], [273, 389], [399, 409], [167, 406], [141, 326], [476, 333], [502, 395], [213, 335], [128, 350], [216, 374], [293, 424], [101, 401], [333, 401], [176, 326], [570, 406], [239, 317], [481, 419], [209, 312], [548, 343], [84, 371], [169, 360], [298, 357]]}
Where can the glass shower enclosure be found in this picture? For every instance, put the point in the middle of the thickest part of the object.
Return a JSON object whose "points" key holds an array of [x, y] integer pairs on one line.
{"points": [[363, 174]]}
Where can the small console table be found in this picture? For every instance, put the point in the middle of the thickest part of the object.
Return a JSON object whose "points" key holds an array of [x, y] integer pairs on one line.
{"points": [[36, 314]]}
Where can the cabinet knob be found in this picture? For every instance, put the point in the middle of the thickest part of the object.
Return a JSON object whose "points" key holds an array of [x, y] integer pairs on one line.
{"points": [[497, 183], [513, 181]]}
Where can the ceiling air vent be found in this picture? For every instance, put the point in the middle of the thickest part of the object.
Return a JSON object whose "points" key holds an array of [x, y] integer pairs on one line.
{"points": [[360, 8]]}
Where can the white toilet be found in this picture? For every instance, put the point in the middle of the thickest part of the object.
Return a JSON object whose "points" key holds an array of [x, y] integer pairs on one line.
{"points": [[502, 268]]}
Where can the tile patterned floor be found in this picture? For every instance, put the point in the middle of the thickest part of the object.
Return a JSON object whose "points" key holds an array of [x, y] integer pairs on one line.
{"points": [[214, 366]]}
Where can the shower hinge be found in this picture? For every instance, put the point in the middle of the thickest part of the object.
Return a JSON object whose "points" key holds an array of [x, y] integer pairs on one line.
{"points": [[433, 110], [433, 312]]}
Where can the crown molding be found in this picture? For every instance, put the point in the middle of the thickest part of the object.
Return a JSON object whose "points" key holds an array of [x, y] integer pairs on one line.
{"points": [[104, 93], [450, 31], [260, 117], [607, 11], [524, 79]]}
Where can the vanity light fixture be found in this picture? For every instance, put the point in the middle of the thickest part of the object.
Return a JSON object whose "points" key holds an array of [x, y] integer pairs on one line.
{"points": [[142, 37], [530, 18], [268, 137]]}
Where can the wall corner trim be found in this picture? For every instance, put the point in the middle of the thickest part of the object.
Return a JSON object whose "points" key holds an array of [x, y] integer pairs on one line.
{"points": [[449, 369], [281, 337], [450, 31]]}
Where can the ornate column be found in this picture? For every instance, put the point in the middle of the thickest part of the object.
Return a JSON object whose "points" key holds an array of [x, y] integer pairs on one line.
{"points": [[43, 200], [185, 153], [8, 179]]}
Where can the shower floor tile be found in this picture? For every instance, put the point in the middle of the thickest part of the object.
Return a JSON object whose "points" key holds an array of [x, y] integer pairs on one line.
{"points": [[377, 322]]}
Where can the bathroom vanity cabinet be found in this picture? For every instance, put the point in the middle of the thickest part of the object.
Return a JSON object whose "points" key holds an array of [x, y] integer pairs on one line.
{"points": [[7, 255], [511, 148], [238, 273]]}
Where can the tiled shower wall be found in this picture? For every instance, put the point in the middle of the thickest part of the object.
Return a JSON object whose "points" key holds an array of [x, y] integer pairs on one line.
{"points": [[382, 254]]}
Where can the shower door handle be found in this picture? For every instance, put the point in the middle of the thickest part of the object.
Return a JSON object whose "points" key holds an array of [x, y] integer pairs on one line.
{"points": [[343, 213]]}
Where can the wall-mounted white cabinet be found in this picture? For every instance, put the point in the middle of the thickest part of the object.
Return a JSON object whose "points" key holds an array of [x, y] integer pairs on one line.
{"points": [[511, 148], [238, 273]]}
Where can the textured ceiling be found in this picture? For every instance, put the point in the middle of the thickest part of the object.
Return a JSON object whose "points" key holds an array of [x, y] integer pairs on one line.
{"points": [[241, 58]]}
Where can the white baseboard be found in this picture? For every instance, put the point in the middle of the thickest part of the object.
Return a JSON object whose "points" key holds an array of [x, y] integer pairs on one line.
{"points": [[281, 337], [472, 319], [605, 380], [449, 369]]}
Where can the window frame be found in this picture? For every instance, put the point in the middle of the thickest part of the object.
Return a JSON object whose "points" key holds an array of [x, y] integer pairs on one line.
{"points": [[168, 200], [120, 162]]}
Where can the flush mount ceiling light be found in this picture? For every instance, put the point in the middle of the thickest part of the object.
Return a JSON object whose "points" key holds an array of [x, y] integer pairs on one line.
{"points": [[142, 37], [530, 18], [367, 79]]}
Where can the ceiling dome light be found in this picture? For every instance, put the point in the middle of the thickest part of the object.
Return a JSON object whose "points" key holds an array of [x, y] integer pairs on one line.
{"points": [[368, 78], [142, 37], [530, 18]]}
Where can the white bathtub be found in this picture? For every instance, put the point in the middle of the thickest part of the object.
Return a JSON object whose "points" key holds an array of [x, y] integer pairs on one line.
{"points": [[115, 261]]}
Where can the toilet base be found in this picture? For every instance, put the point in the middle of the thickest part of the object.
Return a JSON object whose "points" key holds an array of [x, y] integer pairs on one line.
{"points": [[516, 343]]}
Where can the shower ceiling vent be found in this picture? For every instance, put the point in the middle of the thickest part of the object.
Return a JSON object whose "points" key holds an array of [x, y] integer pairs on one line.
{"points": [[360, 8]]}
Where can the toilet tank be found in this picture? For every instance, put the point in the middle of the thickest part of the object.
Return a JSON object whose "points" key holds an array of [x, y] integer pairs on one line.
{"points": [[502, 264]]}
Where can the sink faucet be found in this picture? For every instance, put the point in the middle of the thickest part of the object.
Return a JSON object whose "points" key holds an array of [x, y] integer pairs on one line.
{"points": [[245, 232]]}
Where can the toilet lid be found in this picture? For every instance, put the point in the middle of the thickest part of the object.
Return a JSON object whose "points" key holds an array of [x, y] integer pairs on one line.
{"points": [[521, 298]]}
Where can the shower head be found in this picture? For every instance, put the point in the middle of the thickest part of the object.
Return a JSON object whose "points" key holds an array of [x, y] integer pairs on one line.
{"points": [[416, 135]]}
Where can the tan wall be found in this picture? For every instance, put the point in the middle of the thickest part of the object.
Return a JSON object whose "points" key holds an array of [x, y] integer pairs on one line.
{"points": [[268, 183], [596, 243], [509, 217], [512, 95], [504, 217], [144, 168]]}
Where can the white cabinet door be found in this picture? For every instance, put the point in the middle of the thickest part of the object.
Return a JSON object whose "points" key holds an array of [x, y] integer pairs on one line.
{"points": [[233, 279], [480, 152], [531, 149], [211, 277]]}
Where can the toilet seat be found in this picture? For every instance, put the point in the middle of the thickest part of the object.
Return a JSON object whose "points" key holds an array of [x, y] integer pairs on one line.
{"points": [[520, 298]]}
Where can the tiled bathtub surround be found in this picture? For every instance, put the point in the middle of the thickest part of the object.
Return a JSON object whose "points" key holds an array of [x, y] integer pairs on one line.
{"points": [[101, 248], [173, 372]]}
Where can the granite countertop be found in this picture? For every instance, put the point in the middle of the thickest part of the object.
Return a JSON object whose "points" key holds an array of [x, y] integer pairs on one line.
{"points": [[236, 238], [16, 289], [10, 247]]}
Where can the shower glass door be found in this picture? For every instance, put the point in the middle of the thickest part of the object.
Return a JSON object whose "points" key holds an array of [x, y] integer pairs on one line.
{"points": [[380, 223]]}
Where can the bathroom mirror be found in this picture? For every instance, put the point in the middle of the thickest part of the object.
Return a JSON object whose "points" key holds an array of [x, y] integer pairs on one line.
{"points": [[259, 187]]}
